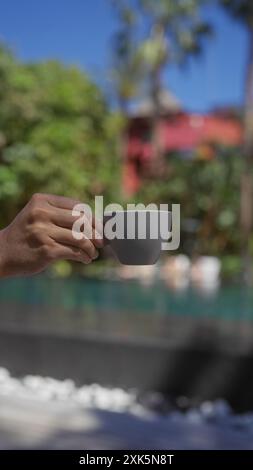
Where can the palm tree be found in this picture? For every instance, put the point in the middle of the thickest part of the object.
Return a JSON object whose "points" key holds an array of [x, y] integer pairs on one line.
{"points": [[243, 10], [126, 68], [175, 31]]}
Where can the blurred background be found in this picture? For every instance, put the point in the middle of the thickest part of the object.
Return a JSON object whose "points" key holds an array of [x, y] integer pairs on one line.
{"points": [[138, 101]]}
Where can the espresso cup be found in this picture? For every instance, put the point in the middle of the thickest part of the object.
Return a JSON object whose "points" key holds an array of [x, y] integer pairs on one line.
{"points": [[138, 235]]}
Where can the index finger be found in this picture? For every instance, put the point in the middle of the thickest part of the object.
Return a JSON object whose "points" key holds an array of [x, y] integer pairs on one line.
{"points": [[65, 206], [62, 202]]}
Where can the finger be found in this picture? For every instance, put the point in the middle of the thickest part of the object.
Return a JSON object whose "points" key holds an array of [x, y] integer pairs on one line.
{"points": [[65, 237], [62, 202], [64, 218], [97, 239], [70, 253]]}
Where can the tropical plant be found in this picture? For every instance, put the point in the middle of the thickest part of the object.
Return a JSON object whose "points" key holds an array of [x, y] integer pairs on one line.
{"points": [[243, 11], [207, 191], [166, 31], [56, 134]]}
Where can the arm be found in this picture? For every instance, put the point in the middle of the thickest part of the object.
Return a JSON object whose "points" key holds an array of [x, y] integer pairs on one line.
{"points": [[42, 233]]}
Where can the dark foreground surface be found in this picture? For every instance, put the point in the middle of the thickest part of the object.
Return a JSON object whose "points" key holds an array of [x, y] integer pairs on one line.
{"points": [[198, 344], [42, 413], [192, 369]]}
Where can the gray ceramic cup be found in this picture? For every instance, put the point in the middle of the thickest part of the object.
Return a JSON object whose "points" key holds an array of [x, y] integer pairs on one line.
{"points": [[139, 235]]}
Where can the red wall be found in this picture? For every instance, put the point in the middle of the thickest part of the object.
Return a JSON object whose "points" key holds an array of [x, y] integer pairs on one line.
{"points": [[179, 132]]}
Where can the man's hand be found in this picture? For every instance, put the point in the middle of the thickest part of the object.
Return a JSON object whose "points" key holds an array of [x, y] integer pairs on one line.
{"points": [[42, 233]]}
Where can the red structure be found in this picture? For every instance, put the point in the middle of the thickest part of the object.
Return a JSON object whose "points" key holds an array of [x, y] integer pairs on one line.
{"points": [[181, 132]]}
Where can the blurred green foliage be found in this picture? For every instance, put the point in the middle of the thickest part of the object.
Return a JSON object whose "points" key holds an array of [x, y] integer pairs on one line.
{"points": [[57, 134], [208, 191]]}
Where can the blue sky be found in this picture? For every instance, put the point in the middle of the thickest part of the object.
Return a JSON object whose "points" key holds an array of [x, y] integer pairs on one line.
{"points": [[79, 32]]}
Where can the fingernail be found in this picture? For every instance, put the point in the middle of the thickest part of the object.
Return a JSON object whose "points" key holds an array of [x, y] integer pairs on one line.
{"points": [[95, 256], [99, 238]]}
